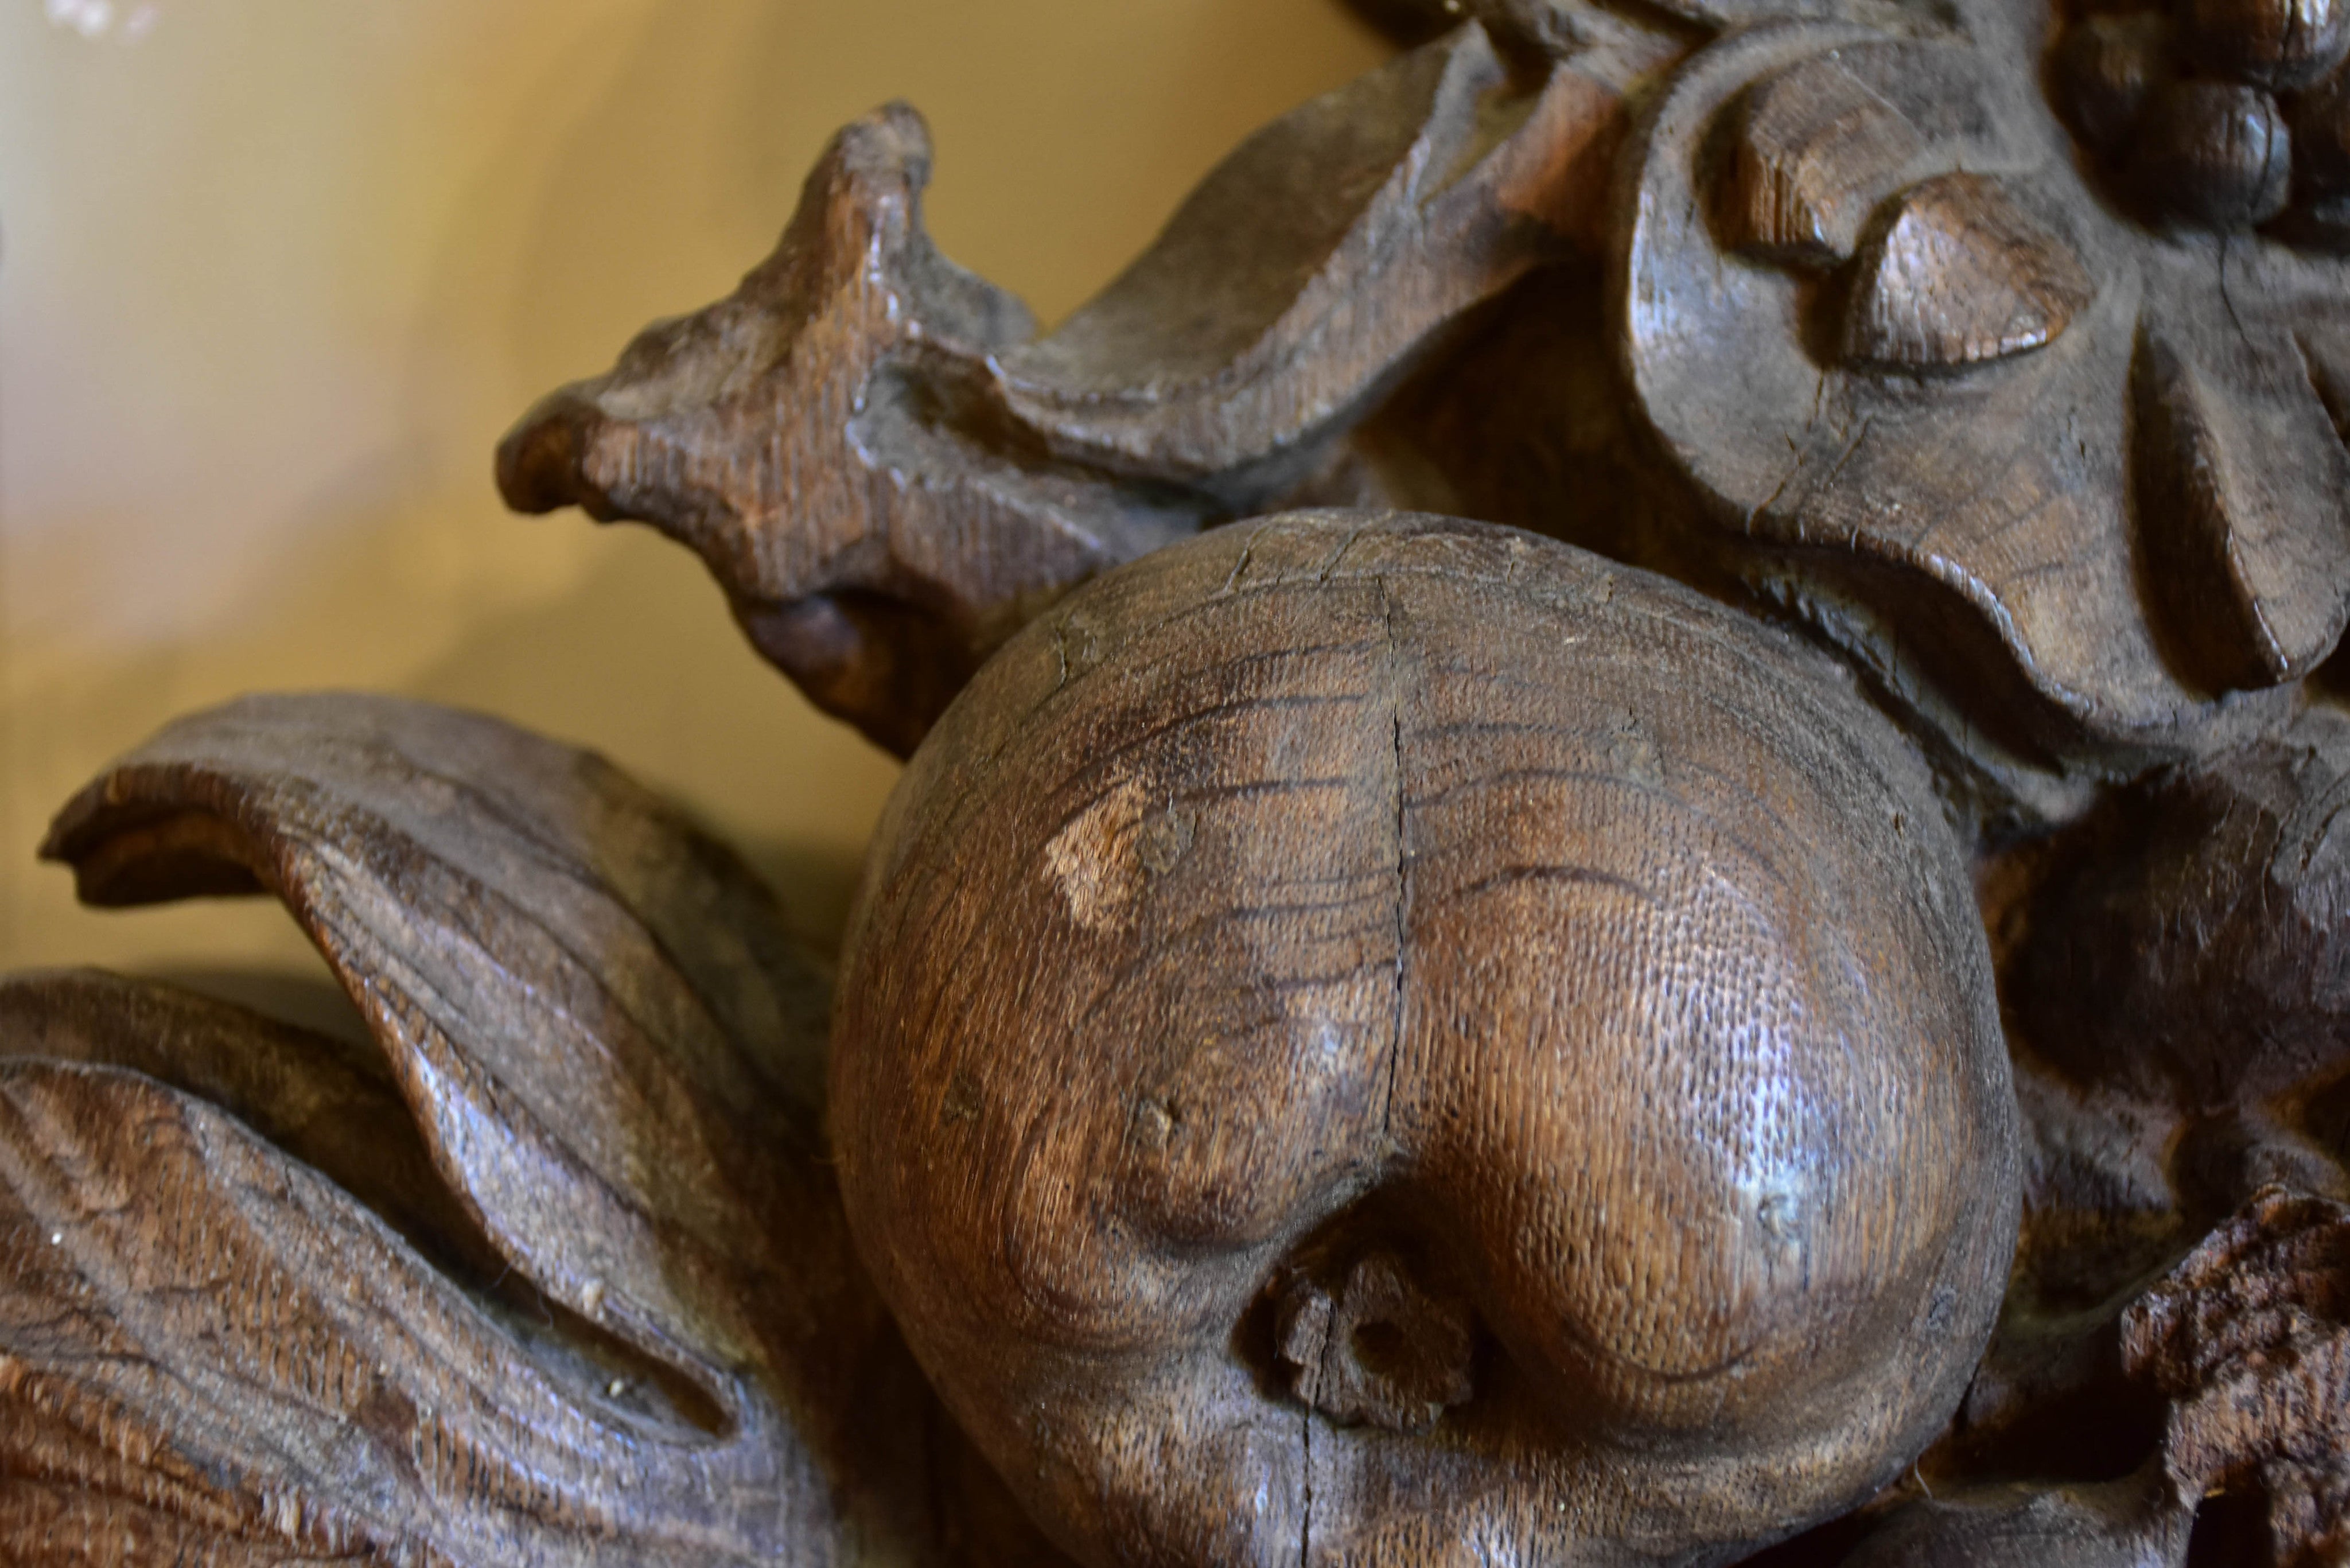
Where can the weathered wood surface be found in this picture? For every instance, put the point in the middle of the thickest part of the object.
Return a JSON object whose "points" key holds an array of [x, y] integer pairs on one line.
{"points": [[555, 1275], [2058, 461], [1380, 1039], [888, 477], [2084, 508], [2169, 1383], [2072, 484], [1367, 1038]]}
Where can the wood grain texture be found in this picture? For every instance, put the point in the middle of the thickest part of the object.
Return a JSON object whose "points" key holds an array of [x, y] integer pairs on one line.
{"points": [[2105, 68], [333, 1106], [2320, 118], [2217, 115], [2167, 1383], [1360, 920], [1960, 275], [2065, 576], [2277, 44], [888, 477], [2134, 1522], [1541, 21], [1366, 1037], [2248, 1337], [2251, 556], [559, 1277], [1817, 148]]}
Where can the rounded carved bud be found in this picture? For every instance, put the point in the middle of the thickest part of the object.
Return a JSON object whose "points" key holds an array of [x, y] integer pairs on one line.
{"points": [[2276, 44], [2213, 154], [1380, 1039], [2104, 67]]}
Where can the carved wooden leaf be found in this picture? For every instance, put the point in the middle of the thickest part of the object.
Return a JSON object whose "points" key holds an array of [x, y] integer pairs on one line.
{"points": [[1961, 274], [210, 1349], [888, 478], [1321, 253], [2245, 489], [334, 1106], [567, 976], [606, 1047]]}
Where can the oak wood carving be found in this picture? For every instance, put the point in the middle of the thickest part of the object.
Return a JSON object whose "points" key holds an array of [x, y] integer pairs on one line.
{"points": [[553, 1274], [1487, 1053], [1626, 839]]}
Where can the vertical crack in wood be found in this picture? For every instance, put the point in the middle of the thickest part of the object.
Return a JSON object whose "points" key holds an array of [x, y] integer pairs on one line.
{"points": [[1395, 682]]}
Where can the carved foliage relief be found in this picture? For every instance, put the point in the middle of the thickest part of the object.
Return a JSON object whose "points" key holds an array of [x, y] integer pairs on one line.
{"points": [[1380, 1026]]}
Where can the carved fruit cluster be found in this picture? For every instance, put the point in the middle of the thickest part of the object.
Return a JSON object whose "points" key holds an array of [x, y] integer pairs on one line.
{"points": [[2217, 114]]}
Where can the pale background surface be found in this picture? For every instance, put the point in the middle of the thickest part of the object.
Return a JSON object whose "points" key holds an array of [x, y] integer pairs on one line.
{"points": [[274, 275]]}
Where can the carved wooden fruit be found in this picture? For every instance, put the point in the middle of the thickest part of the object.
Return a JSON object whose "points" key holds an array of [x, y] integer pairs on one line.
{"points": [[1374, 1038]]}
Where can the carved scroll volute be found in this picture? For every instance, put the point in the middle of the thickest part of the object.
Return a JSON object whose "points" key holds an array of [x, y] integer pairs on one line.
{"points": [[889, 477]]}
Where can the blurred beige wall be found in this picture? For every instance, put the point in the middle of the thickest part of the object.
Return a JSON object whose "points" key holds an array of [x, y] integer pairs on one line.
{"points": [[275, 275]]}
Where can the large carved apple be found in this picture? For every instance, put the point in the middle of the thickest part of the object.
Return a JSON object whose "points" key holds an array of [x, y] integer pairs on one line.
{"points": [[1372, 1038]]}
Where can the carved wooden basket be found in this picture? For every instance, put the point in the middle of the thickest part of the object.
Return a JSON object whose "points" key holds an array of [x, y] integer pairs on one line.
{"points": [[1624, 842]]}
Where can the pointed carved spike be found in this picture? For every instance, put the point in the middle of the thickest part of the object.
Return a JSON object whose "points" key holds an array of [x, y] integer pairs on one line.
{"points": [[806, 436], [2243, 498], [887, 479], [1816, 150], [1961, 274]]}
